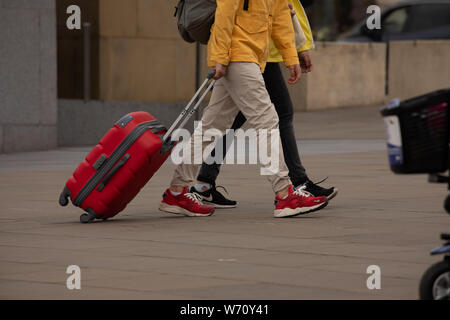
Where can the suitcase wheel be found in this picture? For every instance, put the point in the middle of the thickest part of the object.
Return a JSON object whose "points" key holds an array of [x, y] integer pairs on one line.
{"points": [[86, 218], [64, 197], [89, 216]]}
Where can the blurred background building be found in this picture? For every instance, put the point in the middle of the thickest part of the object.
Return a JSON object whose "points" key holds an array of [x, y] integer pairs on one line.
{"points": [[331, 18], [62, 87], [147, 33]]}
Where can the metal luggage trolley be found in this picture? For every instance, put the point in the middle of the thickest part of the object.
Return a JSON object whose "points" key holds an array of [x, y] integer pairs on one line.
{"points": [[418, 132]]}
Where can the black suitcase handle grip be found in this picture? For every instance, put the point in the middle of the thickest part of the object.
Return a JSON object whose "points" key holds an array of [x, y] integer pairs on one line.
{"points": [[211, 74], [113, 172]]}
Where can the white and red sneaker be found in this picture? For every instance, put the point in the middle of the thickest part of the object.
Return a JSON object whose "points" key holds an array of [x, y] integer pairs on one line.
{"points": [[298, 202], [186, 203]]}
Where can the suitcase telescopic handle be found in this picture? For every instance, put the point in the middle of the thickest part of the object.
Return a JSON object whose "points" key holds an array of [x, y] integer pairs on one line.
{"points": [[187, 113]]}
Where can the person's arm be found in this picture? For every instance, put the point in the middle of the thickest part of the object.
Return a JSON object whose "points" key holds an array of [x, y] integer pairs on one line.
{"points": [[220, 41], [284, 40], [303, 55], [304, 23], [283, 33]]}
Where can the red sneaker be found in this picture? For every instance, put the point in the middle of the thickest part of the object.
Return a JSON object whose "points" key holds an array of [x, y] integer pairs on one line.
{"points": [[298, 202], [188, 204]]}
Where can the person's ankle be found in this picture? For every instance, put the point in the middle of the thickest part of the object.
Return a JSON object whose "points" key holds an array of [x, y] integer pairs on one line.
{"points": [[176, 189], [283, 194]]}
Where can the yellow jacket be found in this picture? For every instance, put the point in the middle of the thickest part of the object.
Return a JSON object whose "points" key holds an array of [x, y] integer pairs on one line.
{"points": [[274, 55], [244, 36]]}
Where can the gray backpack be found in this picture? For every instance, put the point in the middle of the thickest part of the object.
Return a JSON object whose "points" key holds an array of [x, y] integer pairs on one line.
{"points": [[195, 19]]}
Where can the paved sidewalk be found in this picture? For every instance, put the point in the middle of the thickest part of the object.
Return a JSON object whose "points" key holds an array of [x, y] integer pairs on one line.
{"points": [[378, 218]]}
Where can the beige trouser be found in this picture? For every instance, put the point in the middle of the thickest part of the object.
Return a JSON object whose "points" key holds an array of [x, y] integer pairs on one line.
{"points": [[243, 89]]}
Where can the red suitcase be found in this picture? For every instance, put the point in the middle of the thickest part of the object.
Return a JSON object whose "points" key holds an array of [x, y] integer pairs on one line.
{"points": [[122, 163]]}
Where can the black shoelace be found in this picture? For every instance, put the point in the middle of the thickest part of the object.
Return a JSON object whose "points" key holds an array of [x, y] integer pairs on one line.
{"points": [[314, 186]]}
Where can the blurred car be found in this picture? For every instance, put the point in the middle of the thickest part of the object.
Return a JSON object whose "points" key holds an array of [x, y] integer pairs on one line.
{"points": [[407, 20]]}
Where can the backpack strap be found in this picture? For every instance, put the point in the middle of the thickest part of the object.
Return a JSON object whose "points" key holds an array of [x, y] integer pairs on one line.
{"points": [[246, 5]]}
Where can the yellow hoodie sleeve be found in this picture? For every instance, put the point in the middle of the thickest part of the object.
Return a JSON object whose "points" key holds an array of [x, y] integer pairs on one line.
{"points": [[274, 55], [220, 41], [304, 22], [283, 33]]}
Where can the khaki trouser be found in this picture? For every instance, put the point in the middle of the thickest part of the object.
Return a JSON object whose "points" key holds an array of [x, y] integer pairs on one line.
{"points": [[243, 89]]}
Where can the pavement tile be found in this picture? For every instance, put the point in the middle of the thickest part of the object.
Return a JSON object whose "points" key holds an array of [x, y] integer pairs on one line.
{"points": [[378, 218]]}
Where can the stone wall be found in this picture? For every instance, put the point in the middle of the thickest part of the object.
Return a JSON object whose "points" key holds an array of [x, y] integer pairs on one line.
{"points": [[354, 74], [28, 102], [83, 124], [418, 67], [142, 57], [344, 75]]}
